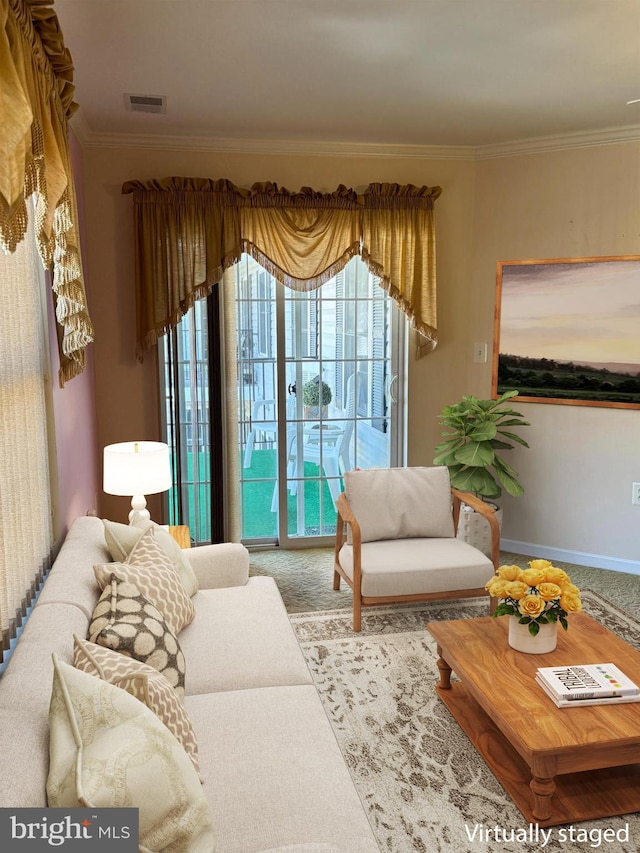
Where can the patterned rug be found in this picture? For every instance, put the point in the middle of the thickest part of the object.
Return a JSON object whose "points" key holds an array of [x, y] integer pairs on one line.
{"points": [[424, 786]]}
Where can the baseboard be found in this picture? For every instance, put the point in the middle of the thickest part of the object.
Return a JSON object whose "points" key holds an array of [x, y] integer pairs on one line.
{"points": [[580, 558]]}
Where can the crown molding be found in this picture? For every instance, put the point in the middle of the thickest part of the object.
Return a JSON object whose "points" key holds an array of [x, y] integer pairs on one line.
{"points": [[291, 147], [544, 144]]}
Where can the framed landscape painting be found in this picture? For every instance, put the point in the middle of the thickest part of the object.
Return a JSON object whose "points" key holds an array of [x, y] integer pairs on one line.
{"points": [[568, 331]]}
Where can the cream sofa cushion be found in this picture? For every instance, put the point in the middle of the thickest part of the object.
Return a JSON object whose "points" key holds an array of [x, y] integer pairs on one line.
{"points": [[122, 538], [149, 568], [142, 681], [108, 750], [400, 503]]}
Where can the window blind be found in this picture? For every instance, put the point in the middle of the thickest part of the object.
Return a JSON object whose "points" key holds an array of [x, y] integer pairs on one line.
{"points": [[26, 530]]}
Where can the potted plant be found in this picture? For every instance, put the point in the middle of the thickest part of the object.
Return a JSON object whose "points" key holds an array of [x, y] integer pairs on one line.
{"points": [[316, 396], [477, 431], [535, 599]]}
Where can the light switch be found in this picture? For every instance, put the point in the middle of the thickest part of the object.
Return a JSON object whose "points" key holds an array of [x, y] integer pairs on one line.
{"points": [[479, 353]]}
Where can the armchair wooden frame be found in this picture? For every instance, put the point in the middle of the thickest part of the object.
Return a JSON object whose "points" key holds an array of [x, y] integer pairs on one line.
{"points": [[346, 517]]}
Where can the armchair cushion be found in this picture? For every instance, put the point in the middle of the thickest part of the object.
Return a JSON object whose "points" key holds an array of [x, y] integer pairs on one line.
{"points": [[400, 503], [418, 567]]}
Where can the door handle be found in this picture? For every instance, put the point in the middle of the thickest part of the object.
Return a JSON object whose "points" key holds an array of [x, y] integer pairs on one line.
{"points": [[391, 381]]}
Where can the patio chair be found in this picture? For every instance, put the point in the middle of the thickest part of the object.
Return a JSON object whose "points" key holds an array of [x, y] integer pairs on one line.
{"points": [[400, 543], [263, 420]]}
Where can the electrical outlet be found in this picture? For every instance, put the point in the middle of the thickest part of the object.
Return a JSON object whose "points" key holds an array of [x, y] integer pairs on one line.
{"points": [[635, 494], [479, 353]]}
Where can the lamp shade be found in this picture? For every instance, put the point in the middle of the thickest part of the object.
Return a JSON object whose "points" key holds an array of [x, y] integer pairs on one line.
{"points": [[136, 468]]}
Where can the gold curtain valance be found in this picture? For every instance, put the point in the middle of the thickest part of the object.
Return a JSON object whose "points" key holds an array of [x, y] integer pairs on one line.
{"points": [[36, 101], [189, 230]]}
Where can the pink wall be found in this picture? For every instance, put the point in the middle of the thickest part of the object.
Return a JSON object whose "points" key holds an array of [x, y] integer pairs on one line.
{"points": [[74, 408]]}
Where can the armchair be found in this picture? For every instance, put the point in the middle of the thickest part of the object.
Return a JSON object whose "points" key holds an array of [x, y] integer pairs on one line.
{"points": [[400, 543]]}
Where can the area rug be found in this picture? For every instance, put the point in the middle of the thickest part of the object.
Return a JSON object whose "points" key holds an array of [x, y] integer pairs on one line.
{"points": [[422, 783]]}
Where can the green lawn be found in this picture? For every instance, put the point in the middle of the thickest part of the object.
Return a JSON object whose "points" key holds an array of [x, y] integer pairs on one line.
{"points": [[257, 486]]}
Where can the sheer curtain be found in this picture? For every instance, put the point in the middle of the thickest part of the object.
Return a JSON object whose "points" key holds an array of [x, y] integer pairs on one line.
{"points": [[26, 533]]}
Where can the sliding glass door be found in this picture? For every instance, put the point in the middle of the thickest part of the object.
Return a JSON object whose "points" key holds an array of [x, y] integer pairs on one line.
{"points": [[318, 394], [317, 389]]}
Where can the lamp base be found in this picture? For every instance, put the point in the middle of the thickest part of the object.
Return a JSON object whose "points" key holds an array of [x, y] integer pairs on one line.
{"points": [[139, 506]]}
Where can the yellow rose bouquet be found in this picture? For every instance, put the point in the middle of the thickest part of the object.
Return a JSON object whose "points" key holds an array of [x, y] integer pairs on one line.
{"points": [[540, 594]]}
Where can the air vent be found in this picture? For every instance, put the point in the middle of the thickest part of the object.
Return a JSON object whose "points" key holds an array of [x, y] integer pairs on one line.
{"points": [[146, 103]]}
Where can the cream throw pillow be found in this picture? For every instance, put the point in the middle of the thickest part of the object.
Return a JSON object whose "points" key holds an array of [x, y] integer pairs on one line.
{"points": [[145, 683], [149, 568], [401, 503], [121, 539], [108, 750]]}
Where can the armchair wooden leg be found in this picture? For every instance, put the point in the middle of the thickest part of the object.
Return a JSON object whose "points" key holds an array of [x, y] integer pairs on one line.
{"points": [[336, 579], [357, 613]]}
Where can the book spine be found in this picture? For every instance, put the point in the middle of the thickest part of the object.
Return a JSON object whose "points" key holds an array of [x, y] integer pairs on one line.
{"points": [[596, 694]]}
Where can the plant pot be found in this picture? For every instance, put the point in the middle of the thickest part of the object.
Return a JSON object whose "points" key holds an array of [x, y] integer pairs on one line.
{"points": [[474, 529], [313, 413], [522, 641]]}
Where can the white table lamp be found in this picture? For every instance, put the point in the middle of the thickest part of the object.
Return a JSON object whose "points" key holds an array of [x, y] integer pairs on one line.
{"points": [[137, 468]]}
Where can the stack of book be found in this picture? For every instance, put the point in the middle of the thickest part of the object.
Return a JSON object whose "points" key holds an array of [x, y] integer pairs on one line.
{"points": [[588, 684]]}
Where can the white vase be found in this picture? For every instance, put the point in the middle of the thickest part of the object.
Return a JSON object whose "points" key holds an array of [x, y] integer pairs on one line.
{"points": [[522, 641]]}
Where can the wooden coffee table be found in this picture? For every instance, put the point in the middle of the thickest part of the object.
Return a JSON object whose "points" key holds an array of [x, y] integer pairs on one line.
{"points": [[558, 765]]}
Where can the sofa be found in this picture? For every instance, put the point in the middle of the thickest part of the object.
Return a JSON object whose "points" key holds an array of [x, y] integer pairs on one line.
{"points": [[271, 772]]}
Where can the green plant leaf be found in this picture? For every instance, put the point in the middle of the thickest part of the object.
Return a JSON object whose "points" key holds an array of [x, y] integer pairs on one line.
{"points": [[477, 480], [504, 609], [483, 431], [445, 456], [476, 454], [501, 445], [513, 437], [534, 628], [516, 421], [504, 466], [510, 484]]}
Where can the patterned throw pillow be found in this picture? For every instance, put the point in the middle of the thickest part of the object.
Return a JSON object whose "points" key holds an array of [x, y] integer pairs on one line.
{"points": [[121, 539], [108, 750], [123, 620], [142, 681], [149, 568]]}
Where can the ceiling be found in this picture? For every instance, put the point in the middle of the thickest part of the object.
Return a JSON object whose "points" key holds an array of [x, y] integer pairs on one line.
{"points": [[360, 72]]}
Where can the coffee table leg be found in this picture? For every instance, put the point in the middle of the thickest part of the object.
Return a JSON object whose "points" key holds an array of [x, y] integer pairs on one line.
{"points": [[445, 672], [542, 790]]}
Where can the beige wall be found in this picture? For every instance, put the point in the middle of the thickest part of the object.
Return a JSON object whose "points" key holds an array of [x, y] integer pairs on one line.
{"points": [[578, 472], [571, 203]]}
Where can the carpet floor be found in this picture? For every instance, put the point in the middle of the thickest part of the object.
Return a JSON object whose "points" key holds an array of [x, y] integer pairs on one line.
{"points": [[305, 579], [422, 783]]}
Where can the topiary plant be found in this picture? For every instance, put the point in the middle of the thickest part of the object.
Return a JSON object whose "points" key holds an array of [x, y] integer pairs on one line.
{"points": [[477, 429], [311, 393]]}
